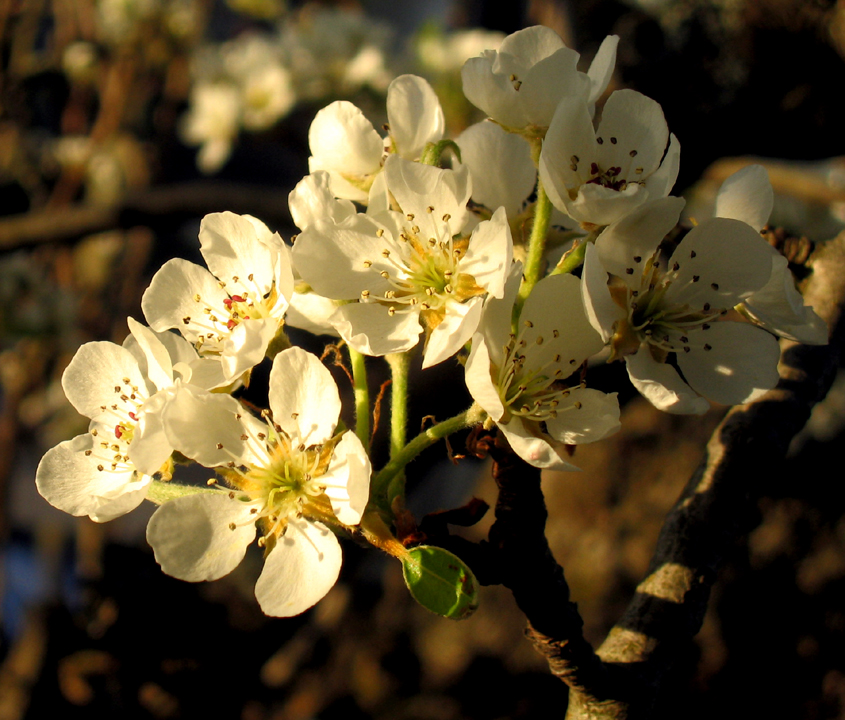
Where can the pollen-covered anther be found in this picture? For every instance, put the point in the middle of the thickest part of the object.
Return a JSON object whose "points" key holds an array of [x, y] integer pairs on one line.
{"points": [[380, 232], [219, 446]]}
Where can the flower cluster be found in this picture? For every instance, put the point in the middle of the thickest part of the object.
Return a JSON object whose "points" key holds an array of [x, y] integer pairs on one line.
{"points": [[397, 250]]}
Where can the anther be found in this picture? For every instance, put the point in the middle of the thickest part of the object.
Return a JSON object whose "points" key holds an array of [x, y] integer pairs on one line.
{"points": [[379, 232], [633, 153], [613, 140], [232, 526], [715, 286]]}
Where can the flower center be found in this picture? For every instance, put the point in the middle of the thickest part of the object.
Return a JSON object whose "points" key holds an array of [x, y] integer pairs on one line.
{"points": [[213, 323], [423, 271], [282, 481], [663, 323], [533, 393]]}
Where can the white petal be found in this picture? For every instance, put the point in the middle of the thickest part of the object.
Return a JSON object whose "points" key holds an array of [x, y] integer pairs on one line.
{"points": [[347, 480], [89, 381], [601, 69], [414, 115], [662, 180], [570, 135], [246, 345], [536, 450], [661, 385], [559, 325], [311, 312], [779, 307], [158, 366], [747, 195], [303, 396], [150, 446], [532, 44], [453, 332], [490, 253], [192, 539], [636, 122], [602, 312], [500, 166], [169, 299], [595, 419], [331, 257], [496, 319], [236, 247], [71, 481], [300, 569], [729, 259], [493, 93], [312, 200], [601, 205], [197, 421], [637, 235], [741, 366], [479, 380], [342, 139], [417, 187], [371, 330], [552, 80]]}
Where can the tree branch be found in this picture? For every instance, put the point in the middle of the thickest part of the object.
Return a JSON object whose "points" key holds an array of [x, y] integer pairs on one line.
{"points": [[717, 507]]}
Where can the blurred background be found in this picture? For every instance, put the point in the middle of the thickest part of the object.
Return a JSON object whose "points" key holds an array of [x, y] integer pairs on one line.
{"points": [[123, 122]]}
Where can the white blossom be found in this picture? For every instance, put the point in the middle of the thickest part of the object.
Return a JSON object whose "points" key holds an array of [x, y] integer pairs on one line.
{"points": [[523, 379], [520, 85], [673, 319], [213, 122], [289, 474], [127, 392], [778, 306], [408, 271], [234, 311], [345, 144], [597, 176]]}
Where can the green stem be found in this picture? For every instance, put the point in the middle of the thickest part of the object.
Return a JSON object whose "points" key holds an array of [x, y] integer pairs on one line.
{"points": [[399, 363], [536, 243], [472, 416], [573, 258], [362, 396]]}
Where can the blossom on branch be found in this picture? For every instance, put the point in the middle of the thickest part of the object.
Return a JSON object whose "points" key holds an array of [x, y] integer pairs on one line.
{"points": [[523, 379], [520, 85], [597, 176], [410, 271], [128, 392], [234, 311], [672, 319], [346, 145], [289, 474]]}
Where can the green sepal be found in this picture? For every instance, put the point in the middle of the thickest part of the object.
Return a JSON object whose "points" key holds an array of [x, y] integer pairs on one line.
{"points": [[161, 492], [440, 581]]}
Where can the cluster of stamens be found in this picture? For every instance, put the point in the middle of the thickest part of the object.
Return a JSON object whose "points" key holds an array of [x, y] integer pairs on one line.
{"points": [[282, 482], [534, 393], [667, 327], [422, 271], [213, 324], [611, 177], [124, 415]]}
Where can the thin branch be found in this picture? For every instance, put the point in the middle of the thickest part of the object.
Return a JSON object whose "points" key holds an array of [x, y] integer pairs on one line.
{"points": [[147, 207]]}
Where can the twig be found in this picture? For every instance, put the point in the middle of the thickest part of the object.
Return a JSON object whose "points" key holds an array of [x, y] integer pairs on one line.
{"points": [[148, 207]]}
